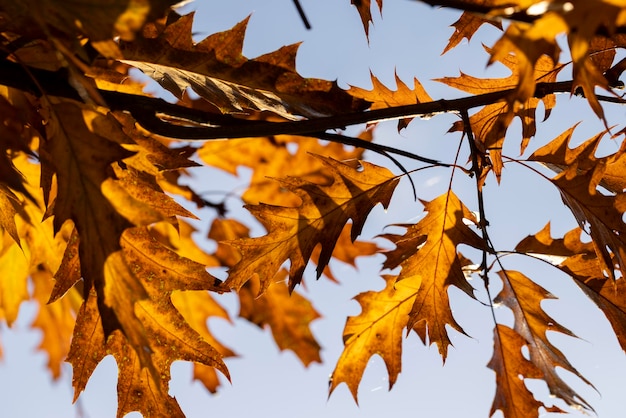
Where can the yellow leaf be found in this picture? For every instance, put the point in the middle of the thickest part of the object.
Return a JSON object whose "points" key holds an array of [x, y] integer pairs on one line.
{"points": [[55, 320], [14, 272]]}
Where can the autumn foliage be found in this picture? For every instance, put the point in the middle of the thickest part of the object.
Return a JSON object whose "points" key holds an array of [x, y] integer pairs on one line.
{"points": [[92, 181]]}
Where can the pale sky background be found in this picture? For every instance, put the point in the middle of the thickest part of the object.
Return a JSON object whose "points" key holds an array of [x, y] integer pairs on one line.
{"points": [[409, 40]]}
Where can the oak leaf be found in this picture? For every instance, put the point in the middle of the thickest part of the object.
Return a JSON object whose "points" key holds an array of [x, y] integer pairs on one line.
{"points": [[80, 156], [466, 26], [598, 214], [198, 307], [429, 261], [14, 272], [579, 260], [141, 386], [90, 19], [382, 97], [217, 70], [490, 124], [364, 8], [524, 298], [581, 20], [287, 313], [274, 157], [508, 362], [293, 232], [55, 320], [376, 330]]}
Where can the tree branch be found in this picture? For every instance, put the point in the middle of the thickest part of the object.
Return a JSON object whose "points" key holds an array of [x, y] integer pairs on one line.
{"points": [[146, 110]]}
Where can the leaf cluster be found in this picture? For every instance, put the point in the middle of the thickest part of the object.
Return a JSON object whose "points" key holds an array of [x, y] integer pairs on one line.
{"points": [[93, 177]]}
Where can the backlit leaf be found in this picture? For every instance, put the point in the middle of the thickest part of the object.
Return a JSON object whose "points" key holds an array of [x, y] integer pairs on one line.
{"points": [[430, 264], [293, 232], [376, 330], [524, 298]]}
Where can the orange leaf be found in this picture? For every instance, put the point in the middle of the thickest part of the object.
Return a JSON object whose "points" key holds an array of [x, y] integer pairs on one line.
{"points": [[382, 97], [216, 69], [579, 260], [490, 124], [430, 264], [288, 315], [524, 298], [293, 232], [600, 214], [466, 27], [512, 396], [145, 370], [197, 307], [376, 330]]}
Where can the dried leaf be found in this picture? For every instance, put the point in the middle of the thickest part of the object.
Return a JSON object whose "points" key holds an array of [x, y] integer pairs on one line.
{"points": [[524, 298], [216, 69], [512, 396], [287, 314], [491, 123], [293, 232], [364, 8], [376, 330], [466, 27], [598, 214], [382, 97], [427, 255], [144, 387]]}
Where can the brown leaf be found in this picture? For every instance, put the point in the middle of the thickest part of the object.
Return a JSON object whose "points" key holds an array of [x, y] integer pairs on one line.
{"points": [[580, 261], [364, 8], [466, 27], [88, 18], [557, 156], [80, 155], [141, 386], [216, 69], [491, 123], [598, 214], [293, 232], [524, 298], [511, 367], [430, 263]]}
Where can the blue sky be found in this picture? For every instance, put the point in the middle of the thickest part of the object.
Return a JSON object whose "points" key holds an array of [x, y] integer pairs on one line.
{"points": [[408, 40]]}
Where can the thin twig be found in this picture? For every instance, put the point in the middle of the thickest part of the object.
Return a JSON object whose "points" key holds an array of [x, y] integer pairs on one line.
{"points": [[301, 13], [482, 221]]}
